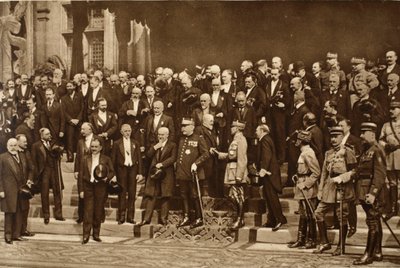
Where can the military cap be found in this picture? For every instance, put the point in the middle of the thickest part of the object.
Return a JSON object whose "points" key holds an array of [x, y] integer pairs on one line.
{"points": [[395, 104], [239, 124], [298, 65], [336, 130], [331, 55], [356, 60], [368, 126], [304, 135], [100, 172], [187, 121]]}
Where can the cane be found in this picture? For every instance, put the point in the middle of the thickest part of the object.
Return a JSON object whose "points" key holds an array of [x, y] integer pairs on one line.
{"points": [[196, 179], [391, 231], [294, 179], [340, 190]]}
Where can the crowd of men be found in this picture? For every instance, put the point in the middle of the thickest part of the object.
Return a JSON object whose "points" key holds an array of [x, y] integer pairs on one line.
{"points": [[211, 132]]}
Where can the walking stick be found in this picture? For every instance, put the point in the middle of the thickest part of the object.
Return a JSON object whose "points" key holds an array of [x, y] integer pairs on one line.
{"points": [[391, 231], [294, 179], [340, 189], [196, 179]]}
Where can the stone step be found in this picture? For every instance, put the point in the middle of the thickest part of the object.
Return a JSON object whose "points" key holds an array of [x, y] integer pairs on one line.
{"points": [[286, 235]]}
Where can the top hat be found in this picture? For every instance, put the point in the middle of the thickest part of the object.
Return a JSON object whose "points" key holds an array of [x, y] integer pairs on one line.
{"points": [[298, 65], [25, 192], [100, 172], [157, 173]]}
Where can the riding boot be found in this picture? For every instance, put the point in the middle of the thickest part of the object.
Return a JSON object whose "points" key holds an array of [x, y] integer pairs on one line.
{"points": [[240, 215], [311, 235], [301, 234], [378, 256], [393, 201], [340, 249], [367, 258], [323, 238]]}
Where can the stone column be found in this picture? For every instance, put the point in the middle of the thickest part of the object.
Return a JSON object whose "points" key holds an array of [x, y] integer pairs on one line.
{"points": [[29, 38], [42, 17], [110, 42]]}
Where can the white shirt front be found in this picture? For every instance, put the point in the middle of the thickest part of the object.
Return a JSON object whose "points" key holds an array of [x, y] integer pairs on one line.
{"points": [[273, 86], [390, 68], [214, 97], [103, 116], [95, 92], [95, 163], [135, 106], [226, 87], [84, 88], [88, 140], [127, 150], [156, 121], [23, 89]]}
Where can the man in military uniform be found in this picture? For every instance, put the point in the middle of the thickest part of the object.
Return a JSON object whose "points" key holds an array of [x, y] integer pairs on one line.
{"points": [[390, 140], [192, 153], [236, 169], [370, 180], [335, 186]]}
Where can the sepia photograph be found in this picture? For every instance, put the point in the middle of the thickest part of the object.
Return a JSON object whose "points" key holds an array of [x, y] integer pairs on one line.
{"points": [[199, 133]]}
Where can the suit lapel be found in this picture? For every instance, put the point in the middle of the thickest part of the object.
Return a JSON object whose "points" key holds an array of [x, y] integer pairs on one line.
{"points": [[89, 164], [13, 166], [164, 150], [121, 147]]}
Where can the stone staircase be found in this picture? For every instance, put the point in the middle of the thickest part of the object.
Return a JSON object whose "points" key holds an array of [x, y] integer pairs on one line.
{"points": [[219, 215]]}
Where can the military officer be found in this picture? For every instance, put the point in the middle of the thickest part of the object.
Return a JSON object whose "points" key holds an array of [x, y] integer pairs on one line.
{"points": [[308, 172], [370, 180], [390, 140], [236, 169], [192, 153], [335, 186]]}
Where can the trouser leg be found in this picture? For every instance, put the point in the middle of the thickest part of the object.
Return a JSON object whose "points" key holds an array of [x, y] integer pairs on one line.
{"points": [[132, 184]]}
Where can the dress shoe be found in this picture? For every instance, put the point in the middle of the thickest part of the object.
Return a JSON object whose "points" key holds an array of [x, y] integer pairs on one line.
{"points": [[378, 257], [239, 223], [269, 225], [132, 221], [20, 239], [60, 219], [46, 221], [121, 221], [184, 222], [309, 244], [8, 240], [85, 240], [197, 223], [321, 248], [143, 223], [364, 260], [97, 239], [27, 233], [352, 231], [335, 226], [276, 227], [79, 220]]}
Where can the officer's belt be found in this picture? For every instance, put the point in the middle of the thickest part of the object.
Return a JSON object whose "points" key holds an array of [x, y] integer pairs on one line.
{"points": [[304, 175], [232, 160]]}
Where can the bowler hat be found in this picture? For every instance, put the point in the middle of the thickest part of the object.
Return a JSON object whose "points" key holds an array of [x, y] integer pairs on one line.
{"points": [[298, 65], [100, 172]]}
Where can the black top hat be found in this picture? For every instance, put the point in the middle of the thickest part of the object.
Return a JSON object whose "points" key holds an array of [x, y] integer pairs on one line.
{"points": [[25, 192], [114, 188], [157, 173], [100, 172]]}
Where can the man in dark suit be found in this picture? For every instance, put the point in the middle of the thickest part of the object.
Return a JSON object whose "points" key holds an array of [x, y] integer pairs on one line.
{"points": [[46, 159], [84, 89], [215, 182], [12, 178], [278, 94], [82, 149], [132, 113], [95, 93], [72, 107], [32, 110], [52, 116], [94, 191], [58, 84], [154, 122], [127, 160], [163, 157], [269, 170], [392, 68], [317, 139], [295, 124], [27, 129], [255, 96], [262, 73], [24, 92], [104, 125], [340, 96], [148, 99], [29, 173], [388, 94]]}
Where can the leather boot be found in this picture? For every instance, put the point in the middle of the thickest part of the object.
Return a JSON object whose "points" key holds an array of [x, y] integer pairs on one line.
{"points": [[342, 242], [378, 256], [239, 221], [393, 200], [323, 238], [184, 222], [367, 258], [301, 234], [311, 235]]}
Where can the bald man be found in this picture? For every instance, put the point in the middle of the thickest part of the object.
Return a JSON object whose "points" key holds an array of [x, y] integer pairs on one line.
{"points": [[13, 175]]}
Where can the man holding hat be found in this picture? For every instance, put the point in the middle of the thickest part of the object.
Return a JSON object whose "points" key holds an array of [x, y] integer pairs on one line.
{"points": [[96, 171], [307, 175], [236, 170], [192, 152], [390, 140], [370, 180], [335, 186]]}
